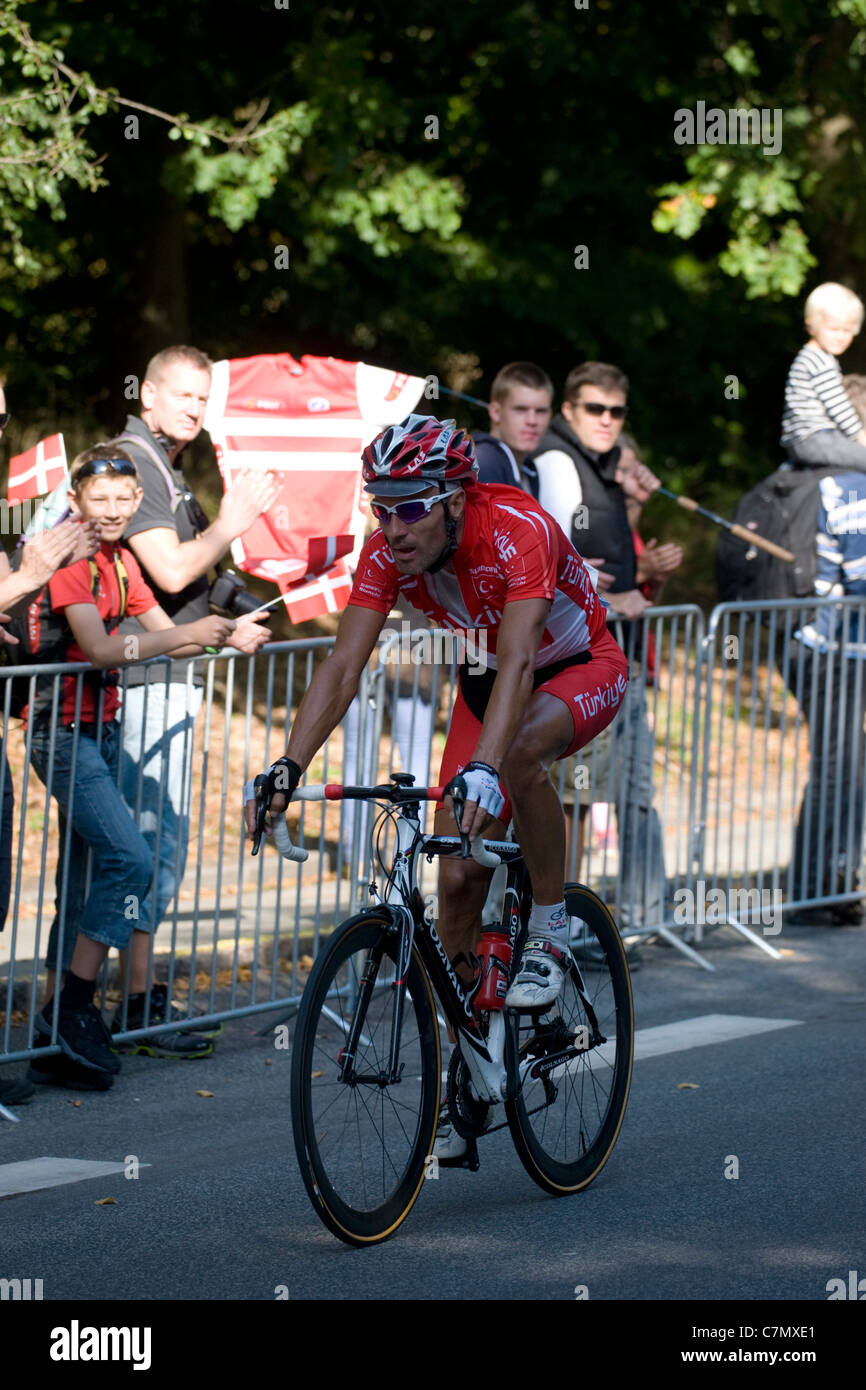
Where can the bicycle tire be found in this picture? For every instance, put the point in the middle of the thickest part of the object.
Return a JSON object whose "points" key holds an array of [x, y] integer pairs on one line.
{"points": [[362, 1148], [564, 1157]]}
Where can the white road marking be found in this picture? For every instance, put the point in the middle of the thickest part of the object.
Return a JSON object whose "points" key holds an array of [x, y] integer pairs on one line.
{"points": [[701, 1031], [36, 1173], [678, 1037]]}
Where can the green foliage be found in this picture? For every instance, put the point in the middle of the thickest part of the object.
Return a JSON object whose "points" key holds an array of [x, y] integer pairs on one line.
{"points": [[748, 189], [445, 250]]}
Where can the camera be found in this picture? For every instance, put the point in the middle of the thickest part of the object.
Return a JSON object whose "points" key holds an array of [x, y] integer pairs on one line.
{"points": [[230, 598]]}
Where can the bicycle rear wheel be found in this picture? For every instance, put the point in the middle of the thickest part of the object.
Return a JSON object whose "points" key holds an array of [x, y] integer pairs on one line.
{"points": [[565, 1119], [362, 1142]]}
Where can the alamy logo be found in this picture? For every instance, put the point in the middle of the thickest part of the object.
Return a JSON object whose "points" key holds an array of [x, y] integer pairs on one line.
{"points": [[713, 906], [738, 126], [435, 647], [76, 1343], [20, 1290], [854, 1289]]}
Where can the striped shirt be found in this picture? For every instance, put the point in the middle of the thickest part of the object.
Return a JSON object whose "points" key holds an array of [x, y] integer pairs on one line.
{"points": [[815, 398], [841, 563]]}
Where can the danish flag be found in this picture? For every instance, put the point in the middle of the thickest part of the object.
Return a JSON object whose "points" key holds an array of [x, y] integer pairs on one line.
{"points": [[38, 471], [307, 422]]}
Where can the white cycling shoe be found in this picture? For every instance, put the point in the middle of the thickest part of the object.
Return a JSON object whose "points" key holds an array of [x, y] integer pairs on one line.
{"points": [[543, 968], [450, 1147]]}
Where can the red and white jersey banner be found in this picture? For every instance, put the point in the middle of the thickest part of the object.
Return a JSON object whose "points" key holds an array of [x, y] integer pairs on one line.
{"points": [[307, 422], [38, 471]]}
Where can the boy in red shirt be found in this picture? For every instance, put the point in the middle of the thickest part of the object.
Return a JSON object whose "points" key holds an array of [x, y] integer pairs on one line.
{"points": [[75, 747]]}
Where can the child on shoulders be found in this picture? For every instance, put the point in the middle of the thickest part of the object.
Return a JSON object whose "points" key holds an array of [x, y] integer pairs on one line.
{"points": [[820, 425]]}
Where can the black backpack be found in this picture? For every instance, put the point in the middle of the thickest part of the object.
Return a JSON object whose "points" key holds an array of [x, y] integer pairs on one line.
{"points": [[781, 508], [43, 636]]}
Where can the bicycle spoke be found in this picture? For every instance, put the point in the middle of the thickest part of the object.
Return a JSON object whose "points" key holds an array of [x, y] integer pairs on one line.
{"points": [[368, 1136]]}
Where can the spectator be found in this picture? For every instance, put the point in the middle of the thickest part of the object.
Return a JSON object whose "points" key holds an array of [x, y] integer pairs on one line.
{"points": [[39, 560], [580, 486], [829, 683], [175, 547], [820, 425], [520, 406], [655, 564], [88, 601]]}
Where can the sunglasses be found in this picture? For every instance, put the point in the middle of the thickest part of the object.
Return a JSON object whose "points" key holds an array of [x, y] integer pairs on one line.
{"points": [[94, 467], [616, 412], [409, 512], [5, 417]]}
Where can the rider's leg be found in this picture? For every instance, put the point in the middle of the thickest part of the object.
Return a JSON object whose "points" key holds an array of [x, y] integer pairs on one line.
{"points": [[538, 816], [563, 715], [463, 886]]}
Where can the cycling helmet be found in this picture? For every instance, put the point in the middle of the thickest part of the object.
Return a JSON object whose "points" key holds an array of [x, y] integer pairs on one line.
{"points": [[421, 451]]}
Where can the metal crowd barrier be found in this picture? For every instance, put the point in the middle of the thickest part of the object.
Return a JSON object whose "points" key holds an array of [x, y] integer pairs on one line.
{"points": [[735, 735]]}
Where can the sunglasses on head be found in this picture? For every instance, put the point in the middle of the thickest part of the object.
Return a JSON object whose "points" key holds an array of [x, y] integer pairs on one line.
{"points": [[409, 512], [616, 412], [94, 467]]}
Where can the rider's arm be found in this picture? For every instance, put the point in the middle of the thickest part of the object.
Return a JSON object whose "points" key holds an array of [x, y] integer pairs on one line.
{"points": [[520, 634]]}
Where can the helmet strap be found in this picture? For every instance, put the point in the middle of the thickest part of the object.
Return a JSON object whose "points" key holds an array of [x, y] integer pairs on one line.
{"points": [[451, 539]]}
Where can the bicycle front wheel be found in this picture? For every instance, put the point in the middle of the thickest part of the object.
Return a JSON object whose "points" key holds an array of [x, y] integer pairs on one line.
{"points": [[568, 1113], [362, 1138]]}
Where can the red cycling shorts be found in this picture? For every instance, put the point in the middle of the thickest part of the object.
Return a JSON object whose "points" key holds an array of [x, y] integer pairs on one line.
{"points": [[593, 693]]}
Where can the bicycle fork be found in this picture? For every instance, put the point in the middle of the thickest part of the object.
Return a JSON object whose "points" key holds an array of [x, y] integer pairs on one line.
{"points": [[392, 1073]]}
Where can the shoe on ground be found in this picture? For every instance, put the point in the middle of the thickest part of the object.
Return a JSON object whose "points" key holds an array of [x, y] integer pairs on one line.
{"points": [[543, 967], [188, 1046], [449, 1148], [15, 1091], [83, 1036], [60, 1070], [172, 1013]]}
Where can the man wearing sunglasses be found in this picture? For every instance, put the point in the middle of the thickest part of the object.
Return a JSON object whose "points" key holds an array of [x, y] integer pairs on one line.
{"points": [[476, 558], [596, 501]]}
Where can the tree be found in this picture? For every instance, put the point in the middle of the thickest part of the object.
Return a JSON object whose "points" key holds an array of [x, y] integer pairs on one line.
{"points": [[803, 70]]}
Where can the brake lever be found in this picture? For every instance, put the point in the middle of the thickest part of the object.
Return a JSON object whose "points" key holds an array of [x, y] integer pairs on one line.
{"points": [[457, 790], [259, 786]]}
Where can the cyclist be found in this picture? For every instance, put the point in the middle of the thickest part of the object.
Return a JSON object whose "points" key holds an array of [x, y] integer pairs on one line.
{"points": [[478, 558]]}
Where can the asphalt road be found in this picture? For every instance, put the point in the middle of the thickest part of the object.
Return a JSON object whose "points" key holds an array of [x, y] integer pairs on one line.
{"points": [[220, 1212]]}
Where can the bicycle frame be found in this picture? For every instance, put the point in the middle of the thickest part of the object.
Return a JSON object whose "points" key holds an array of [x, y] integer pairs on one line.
{"points": [[403, 910]]}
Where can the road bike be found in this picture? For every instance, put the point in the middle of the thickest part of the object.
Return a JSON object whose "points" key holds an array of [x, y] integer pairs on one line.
{"points": [[366, 1062]]}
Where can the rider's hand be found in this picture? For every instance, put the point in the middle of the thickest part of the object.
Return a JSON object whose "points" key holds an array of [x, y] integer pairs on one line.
{"points": [[483, 798], [280, 781]]}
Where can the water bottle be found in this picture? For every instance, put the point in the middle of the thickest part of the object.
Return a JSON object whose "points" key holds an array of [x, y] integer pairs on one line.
{"points": [[495, 956]]}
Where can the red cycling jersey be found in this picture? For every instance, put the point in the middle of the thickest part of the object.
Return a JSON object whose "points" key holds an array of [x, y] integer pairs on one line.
{"points": [[510, 549]]}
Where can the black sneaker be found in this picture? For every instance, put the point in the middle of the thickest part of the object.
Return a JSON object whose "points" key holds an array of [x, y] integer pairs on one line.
{"points": [[83, 1036], [15, 1091], [172, 1013], [60, 1070], [186, 1045]]}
